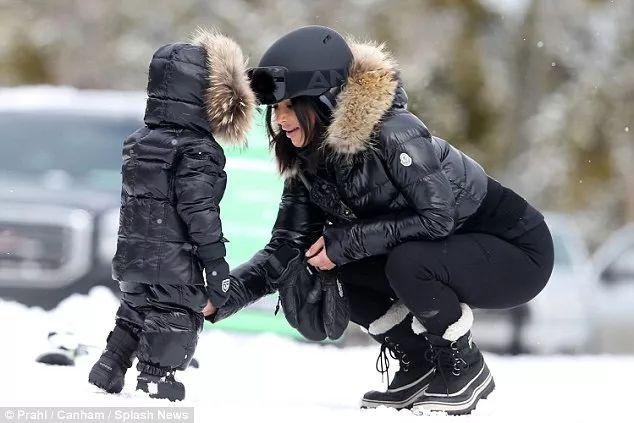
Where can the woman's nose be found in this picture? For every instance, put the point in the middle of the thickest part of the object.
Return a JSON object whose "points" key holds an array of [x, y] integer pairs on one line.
{"points": [[280, 118]]}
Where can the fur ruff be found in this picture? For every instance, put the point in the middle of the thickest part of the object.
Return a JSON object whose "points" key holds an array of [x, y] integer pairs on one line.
{"points": [[229, 100], [418, 327], [367, 96]]}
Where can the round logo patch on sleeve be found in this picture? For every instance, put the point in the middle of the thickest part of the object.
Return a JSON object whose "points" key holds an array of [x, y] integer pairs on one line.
{"points": [[406, 160]]}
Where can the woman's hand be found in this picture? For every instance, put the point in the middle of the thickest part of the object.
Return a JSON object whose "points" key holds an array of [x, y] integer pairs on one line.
{"points": [[209, 309], [319, 258]]}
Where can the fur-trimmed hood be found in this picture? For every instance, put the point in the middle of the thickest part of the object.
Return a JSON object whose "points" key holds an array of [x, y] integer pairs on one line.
{"points": [[368, 94], [202, 85], [229, 100]]}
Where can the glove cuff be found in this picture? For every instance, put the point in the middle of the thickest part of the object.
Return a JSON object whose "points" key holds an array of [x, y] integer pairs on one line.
{"points": [[209, 253]]}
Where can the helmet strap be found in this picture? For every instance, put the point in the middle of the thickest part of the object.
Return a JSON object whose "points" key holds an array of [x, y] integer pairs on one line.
{"points": [[329, 98]]}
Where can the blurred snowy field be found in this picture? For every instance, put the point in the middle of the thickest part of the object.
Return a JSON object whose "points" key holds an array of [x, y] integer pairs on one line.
{"points": [[266, 378]]}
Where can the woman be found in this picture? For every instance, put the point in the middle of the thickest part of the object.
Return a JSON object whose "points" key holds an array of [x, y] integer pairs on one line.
{"points": [[417, 231]]}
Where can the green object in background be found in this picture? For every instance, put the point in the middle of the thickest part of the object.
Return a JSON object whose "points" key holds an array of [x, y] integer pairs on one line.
{"points": [[248, 211], [251, 320], [249, 206]]}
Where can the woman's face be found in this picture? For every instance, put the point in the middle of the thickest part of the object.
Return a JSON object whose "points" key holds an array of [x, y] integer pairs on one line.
{"points": [[286, 118]]}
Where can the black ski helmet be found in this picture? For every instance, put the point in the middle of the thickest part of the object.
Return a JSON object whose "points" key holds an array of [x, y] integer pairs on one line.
{"points": [[312, 60]]}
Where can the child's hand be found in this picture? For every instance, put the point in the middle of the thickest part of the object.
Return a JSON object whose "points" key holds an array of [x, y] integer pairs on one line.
{"points": [[209, 309]]}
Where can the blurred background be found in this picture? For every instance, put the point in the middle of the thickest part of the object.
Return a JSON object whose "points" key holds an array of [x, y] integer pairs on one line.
{"points": [[541, 93]]}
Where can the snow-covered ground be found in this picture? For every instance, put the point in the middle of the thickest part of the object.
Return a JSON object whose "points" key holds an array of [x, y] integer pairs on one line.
{"points": [[265, 378]]}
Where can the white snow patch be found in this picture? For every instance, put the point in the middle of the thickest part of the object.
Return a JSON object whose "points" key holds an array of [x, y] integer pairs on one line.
{"points": [[266, 378]]}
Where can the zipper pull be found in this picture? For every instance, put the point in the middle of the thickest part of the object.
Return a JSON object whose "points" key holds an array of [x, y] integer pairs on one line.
{"points": [[277, 307]]}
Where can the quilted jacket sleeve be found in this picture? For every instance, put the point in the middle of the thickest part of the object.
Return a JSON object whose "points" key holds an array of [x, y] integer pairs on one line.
{"points": [[415, 169], [199, 185]]}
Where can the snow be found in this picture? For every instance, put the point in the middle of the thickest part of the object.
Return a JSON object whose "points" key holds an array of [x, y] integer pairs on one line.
{"points": [[266, 378]]}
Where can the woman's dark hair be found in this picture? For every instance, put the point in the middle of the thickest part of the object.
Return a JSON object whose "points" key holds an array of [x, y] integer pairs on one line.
{"points": [[281, 145]]}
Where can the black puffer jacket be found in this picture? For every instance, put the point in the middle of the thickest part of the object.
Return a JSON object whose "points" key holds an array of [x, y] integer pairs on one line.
{"points": [[399, 182], [173, 177]]}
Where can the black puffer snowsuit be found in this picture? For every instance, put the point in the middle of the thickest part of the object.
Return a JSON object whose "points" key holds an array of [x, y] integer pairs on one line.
{"points": [[173, 181]]}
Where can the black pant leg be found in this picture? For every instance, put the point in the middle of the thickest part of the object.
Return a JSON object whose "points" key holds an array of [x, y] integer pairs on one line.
{"points": [[508, 273], [171, 326], [432, 277], [133, 305], [368, 289], [369, 274], [412, 272]]}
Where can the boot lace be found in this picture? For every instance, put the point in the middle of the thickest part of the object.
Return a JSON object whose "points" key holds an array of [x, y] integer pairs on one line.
{"points": [[390, 349], [448, 360]]}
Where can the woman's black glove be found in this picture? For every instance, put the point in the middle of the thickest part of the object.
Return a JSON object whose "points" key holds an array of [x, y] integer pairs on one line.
{"points": [[288, 272], [335, 307], [310, 320], [313, 302]]}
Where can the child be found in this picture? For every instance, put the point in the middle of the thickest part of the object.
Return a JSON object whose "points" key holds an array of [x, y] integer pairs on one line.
{"points": [[169, 225]]}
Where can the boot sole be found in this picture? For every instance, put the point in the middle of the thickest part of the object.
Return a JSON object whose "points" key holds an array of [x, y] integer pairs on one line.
{"points": [[434, 404], [98, 378], [406, 403], [172, 393], [398, 405]]}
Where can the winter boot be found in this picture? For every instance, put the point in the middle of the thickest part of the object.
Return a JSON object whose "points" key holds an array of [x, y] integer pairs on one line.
{"points": [[108, 373], [394, 331], [159, 383], [462, 377]]}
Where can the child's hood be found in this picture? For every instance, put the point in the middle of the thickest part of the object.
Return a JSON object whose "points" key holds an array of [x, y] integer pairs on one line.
{"points": [[202, 86]]}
